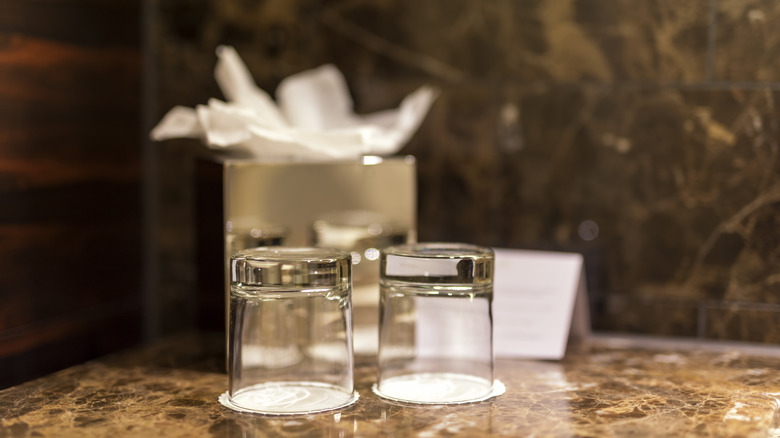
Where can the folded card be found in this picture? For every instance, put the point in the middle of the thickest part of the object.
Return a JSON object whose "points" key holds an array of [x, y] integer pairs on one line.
{"points": [[539, 301]]}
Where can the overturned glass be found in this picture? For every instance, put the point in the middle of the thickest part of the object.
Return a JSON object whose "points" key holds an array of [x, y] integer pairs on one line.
{"points": [[436, 326], [290, 341]]}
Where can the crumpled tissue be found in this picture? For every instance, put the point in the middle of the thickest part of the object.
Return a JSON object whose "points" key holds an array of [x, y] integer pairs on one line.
{"points": [[312, 118]]}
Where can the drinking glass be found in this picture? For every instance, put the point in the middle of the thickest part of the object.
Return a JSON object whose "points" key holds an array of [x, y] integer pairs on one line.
{"points": [[436, 326], [290, 340]]}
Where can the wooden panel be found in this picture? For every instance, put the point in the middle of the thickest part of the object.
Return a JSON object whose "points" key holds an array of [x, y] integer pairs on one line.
{"points": [[82, 22], [70, 202]]}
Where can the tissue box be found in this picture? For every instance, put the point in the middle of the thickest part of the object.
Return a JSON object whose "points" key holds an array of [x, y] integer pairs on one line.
{"points": [[237, 195]]}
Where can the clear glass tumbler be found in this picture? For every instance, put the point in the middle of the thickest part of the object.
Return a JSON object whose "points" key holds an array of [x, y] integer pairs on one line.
{"points": [[436, 326], [290, 340]]}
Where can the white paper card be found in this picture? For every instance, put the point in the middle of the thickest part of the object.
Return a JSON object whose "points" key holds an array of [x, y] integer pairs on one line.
{"points": [[539, 300], [453, 327]]}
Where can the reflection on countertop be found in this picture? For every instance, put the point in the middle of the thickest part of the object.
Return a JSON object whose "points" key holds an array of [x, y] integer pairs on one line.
{"points": [[612, 388]]}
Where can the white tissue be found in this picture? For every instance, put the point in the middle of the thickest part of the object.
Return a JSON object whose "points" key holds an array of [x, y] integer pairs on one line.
{"points": [[312, 118]]}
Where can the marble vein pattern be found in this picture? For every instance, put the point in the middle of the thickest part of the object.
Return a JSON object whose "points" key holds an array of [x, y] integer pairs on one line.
{"points": [[171, 389], [642, 134]]}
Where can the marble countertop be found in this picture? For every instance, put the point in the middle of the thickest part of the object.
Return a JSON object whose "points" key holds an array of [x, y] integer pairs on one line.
{"points": [[171, 389]]}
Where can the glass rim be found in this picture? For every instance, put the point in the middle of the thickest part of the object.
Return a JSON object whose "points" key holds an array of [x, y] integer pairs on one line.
{"points": [[291, 266], [437, 263], [292, 253], [441, 250]]}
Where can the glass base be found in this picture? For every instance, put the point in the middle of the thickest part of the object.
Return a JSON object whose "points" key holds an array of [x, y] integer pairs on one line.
{"points": [[438, 388], [289, 398]]}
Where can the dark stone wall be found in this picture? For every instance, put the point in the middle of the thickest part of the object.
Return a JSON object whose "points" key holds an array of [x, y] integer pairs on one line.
{"points": [[643, 134]]}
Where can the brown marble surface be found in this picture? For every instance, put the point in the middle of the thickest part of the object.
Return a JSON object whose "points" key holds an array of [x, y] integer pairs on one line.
{"points": [[171, 389]]}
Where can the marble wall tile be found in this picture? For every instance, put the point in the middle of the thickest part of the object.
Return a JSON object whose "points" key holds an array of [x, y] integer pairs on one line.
{"points": [[746, 323], [275, 39], [655, 316], [643, 134], [592, 40], [670, 194], [747, 44]]}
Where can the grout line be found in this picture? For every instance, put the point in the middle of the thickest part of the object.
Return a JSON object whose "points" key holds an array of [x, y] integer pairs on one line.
{"points": [[648, 342], [546, 86], [712, 304], [362, 36], [701, 323], [712, 34], [150, 275], [742, 305]]}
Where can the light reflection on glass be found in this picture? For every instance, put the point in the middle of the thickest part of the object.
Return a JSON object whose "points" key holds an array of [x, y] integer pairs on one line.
{"points": [[375, 229], [370, 160], [364, 234], [588, 230], [372, 253]]}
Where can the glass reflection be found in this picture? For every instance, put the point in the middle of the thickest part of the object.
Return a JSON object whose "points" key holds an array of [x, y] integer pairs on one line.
{"points": [[338, 425], [363, 233]]}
